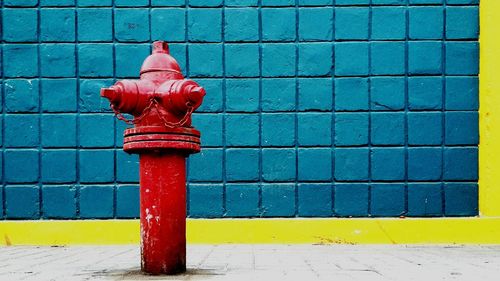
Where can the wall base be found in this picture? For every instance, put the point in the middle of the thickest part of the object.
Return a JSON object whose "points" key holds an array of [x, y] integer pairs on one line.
{"points": [[264, 231]]}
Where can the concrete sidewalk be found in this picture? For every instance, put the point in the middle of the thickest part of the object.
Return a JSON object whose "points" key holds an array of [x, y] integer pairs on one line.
{"points": [[259, 262]]}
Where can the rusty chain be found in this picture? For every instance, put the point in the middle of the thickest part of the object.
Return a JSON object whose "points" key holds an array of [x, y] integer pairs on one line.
{"points": [[153, 103]]}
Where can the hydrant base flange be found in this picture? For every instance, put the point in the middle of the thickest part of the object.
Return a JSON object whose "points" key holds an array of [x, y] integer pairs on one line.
{"points": [[158, 138]]}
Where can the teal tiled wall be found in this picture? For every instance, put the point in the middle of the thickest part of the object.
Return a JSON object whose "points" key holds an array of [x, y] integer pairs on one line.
{"points": [[314, 108]]}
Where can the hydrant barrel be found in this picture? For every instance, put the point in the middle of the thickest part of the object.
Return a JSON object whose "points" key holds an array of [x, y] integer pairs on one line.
{"points": [[161, 103], [163, 212]]}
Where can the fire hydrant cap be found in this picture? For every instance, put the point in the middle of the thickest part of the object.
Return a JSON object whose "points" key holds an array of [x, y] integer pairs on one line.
{"points": [[160, 60]]}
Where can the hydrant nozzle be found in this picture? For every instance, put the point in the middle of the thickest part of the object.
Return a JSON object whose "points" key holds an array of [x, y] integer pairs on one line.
{"points": [[161, 103]]}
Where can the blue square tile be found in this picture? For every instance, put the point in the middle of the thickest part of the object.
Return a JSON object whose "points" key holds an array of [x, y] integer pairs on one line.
{"points": [[211, 127], [21, 166], [460, 163], [131, 3], [241, 24], [315, 94], [387, 93], [425, 200], [242, 130], [168, 24], [388, 164], [22, 202], [20, 25], [387, 200], [131, 25], [314, 129], [58, 95], [279, 164], [58, 130], [425, 57], [351, 2], [95, 25], [387, 128], [278, 3], [315, 59], [242, 164], [21, 130], [351, 23], [127, 201], [461, 199], [57, 3], [388, 58], [281, 135], [425, 93], [425, 128], [127, 167], [278, 60], [238, 3], [242, 95], [351, 129], [57, 60], [96, 166], [351, 94], [278, 32], [96, 130], [205, 60], [425, 163], [174, 3], [179, 52], [315, 24], [90, 99], [462, 128], [388, 23], [58, 166], [21, 95], [129, 59], [242, 200], [20, 60], [462, 22], [20, 3], [57, 25], [206, 166], [95, 60], [314, 164], [94, 3], [426, 22], [96, 201], [204, 25], [314, 2], [278, 94], [462, 58], [462, 93], [315, 200], [205, 3], [59, 202], [351, 164], [212, 102], [242, 60], [351, 59], [351, 200], [206, 200], [278, 200], [425, 2], [458, 2]]}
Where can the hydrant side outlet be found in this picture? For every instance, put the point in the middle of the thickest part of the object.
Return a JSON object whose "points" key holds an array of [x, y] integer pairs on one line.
{"points": [[161, 103]]}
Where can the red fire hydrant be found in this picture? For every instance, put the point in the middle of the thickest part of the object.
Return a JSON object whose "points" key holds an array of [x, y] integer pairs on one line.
{"points": [[161, 102]]}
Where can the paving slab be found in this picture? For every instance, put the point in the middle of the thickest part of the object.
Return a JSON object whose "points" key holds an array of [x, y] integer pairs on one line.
{"points": [[259, 262]]}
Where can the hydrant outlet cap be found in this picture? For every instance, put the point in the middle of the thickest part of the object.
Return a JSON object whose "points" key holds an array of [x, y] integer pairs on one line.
{"points": [[160, 60]]}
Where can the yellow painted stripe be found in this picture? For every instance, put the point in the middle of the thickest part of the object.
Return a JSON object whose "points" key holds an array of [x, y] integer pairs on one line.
{"points": [[489, 111], [292, 231]]}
